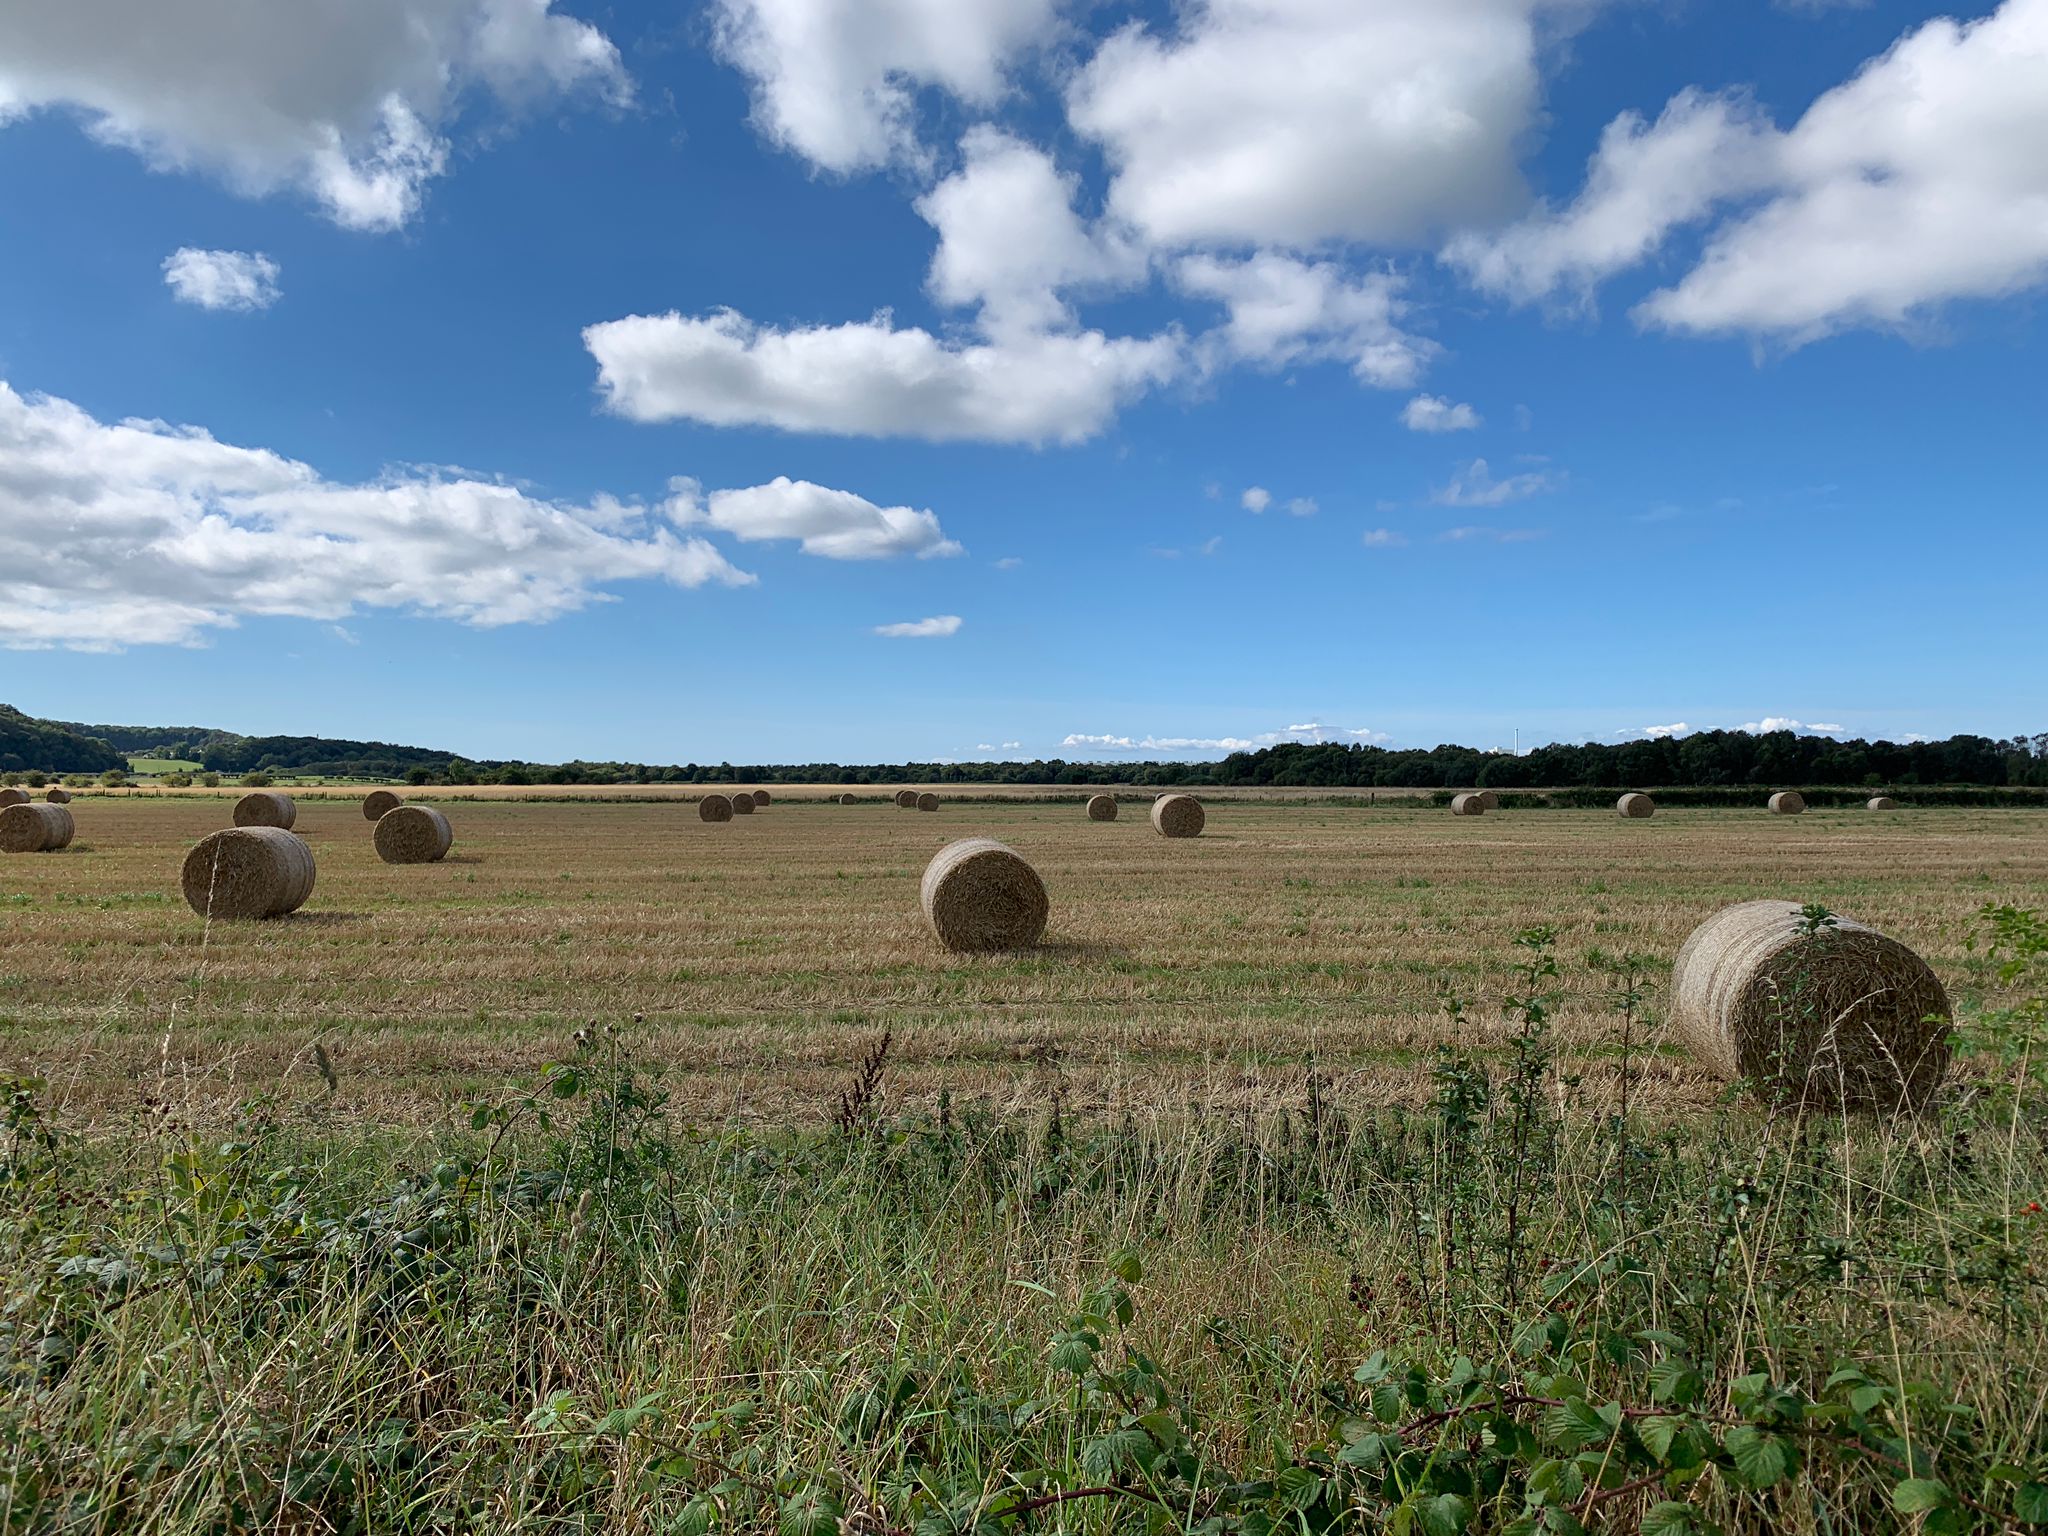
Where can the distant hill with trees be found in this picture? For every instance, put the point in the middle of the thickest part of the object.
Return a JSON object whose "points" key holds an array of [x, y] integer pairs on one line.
{"points": [[1705, 759]]}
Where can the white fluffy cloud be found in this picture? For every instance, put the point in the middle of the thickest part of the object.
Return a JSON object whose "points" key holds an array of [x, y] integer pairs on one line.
{"points": [[1475, 486], [1433, 413], [138, 532], [836, 80], [1771, 723], [1284, 310], [341, 99], [872, 378], [837, 525], [1294, 122], [1256, 499], [1916, 183], [242, 281], [1312, 734], [922, 629]]}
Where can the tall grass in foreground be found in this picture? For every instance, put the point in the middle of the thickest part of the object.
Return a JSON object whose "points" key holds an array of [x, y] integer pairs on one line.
{"points": [[1496, 1311]]}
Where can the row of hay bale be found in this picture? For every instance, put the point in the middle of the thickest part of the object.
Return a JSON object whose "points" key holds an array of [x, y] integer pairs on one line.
{"points": [[260, 868], [56, 794], [741, 802], [1636, 806], [1818, 1013]]}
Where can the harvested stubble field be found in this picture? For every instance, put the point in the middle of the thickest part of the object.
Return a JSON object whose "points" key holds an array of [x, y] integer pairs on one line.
{"points": [[768, 954]]}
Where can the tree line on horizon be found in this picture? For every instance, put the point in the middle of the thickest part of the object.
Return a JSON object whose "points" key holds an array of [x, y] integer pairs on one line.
{"points": [[1705, 759]]}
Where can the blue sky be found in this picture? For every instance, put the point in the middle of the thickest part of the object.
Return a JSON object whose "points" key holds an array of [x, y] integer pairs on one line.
{"points": [[608, 380]]}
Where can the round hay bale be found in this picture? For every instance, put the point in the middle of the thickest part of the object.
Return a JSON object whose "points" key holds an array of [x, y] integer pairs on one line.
{"points": [[9, 795], [761, 798], [848, 800], [1488, 799], [1635, 807], [1881, 803], [742, 803], [1835, 1015], [979, 895], [57, 794], [248, 872], [927, 801], [26, 828], [1102, 807], [413, 834], [266, 808], [1178, 816], [1467, 805], [379, 803], [906, 799], [714, 808], [1787, 802]]}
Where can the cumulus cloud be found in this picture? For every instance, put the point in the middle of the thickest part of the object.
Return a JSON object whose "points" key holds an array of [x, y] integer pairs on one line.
{"points": [[1659, 732], [1475, 486], [1313, 734], [139, 532], [1256, 499], [1283, 310], [1296, 122], [1384, 538], [922, 629], [837, 525], [872, 378], [1909, 186], [1771, 723], [242, 281], [342, 100], [1433, 413], [836, 81]]}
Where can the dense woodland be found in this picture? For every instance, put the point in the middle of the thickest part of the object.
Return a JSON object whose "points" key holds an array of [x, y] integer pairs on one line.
{"points": [[1707, 759]]}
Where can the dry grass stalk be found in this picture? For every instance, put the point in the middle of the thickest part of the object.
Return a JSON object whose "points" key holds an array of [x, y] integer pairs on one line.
{"points": [[379, 803], [248, 873], [980, 895], [1102, 807], [266, 808], [714, 808], [1635, 807], [1178, 816], [26, 828], [413, 834], [1826, 1012], [1787, 802]]}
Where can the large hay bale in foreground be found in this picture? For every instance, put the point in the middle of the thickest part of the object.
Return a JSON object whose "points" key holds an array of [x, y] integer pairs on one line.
{"points": [[1881, 803], [379, 803], [906, 799], [1178, 816], [742, 803], [1635, 807], [248, 873], [266, 808], [714, 808], [1467, 805], [927, 801], [980, 895], [9, 795], [1788, 802], [57, 794], [413, 834], [28, 828], [1835, 1014], [1102, 807], [1488, 800]]}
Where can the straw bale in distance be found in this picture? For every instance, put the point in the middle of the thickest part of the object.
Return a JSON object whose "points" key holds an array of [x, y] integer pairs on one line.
{"points": [[1178, 816], [266, 808], [742, 803], [9, 795], [379, 803], [762, 797], [35, 828], [57, 794], [1467, 805], [1881, 803], [1635, 807], [413, 834], [1787, 802], [1102, 807], [714, 808], [927, 801], [1488, 799], [848, 800], [248, 872], [980, 895], [906, 799], [1835, 1014]]}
